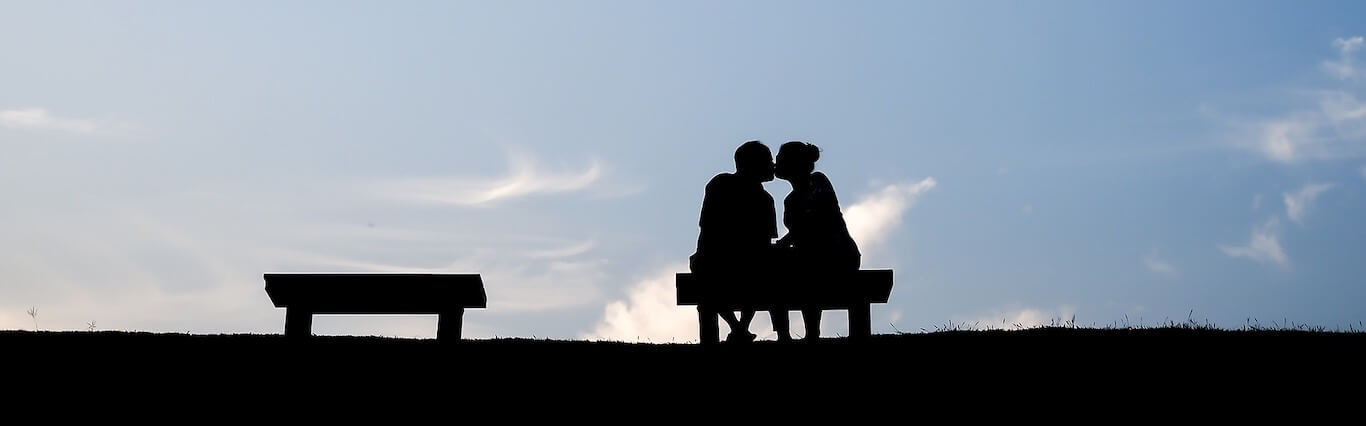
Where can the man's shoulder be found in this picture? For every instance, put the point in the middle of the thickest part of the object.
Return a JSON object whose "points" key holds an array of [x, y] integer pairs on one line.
{"points": [[722, 181]]}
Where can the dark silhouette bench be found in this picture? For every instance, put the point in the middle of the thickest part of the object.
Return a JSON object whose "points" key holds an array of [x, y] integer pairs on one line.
{"points": [[854, 292], [446, 295]]}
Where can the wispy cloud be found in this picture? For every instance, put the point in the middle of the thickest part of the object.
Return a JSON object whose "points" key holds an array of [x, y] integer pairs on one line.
{"points": [[1158, 265], [1345, 67], [41, 119], [872, 219], [1298, 204], [562, 252], [525, 178], [1333, 127], [1264, 246]]}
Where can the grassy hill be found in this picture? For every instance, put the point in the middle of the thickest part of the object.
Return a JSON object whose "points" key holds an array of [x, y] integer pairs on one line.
{"points": [[954, 365]]}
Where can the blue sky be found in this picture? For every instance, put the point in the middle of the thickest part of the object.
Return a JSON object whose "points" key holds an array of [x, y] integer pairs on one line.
{"points": [[1013, 162]]}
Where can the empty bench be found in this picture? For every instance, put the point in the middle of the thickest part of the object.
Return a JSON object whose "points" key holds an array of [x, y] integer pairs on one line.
{"points": [[855, 292], [445, 295]]}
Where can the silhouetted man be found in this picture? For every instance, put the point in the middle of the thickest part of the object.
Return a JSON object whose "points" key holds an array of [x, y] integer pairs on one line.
{"points": [[738, 222]]}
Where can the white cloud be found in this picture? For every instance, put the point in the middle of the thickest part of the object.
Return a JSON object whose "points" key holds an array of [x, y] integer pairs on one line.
{"points": [[1334, 127], [525, 178], [1345, 67], [1348, 45], [1264, 246], [649, 313], [872, 219], [1017, 318], [1286, 139], [1158, 266], [40, 119], [1298, 204], [562, 252]]}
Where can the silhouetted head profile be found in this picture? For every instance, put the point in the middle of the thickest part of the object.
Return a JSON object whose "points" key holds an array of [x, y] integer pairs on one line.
{"points": [[796, 161], [755, 161]]}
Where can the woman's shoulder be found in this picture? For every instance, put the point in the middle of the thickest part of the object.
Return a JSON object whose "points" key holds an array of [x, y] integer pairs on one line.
{"points": [[819, 179]]}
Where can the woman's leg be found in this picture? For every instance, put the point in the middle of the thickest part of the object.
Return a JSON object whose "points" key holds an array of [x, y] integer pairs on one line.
{"points": [[745, 318], [780, 324], [812, 318]]}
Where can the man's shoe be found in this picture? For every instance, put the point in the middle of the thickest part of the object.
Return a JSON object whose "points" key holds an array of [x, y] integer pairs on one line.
{"points": [[740, 337]]}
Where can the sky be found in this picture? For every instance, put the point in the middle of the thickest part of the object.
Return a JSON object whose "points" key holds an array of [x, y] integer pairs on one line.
{"points": [[1015, 163]]}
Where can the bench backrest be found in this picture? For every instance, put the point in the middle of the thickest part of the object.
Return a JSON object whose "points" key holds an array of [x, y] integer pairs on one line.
{"points": [[841, 292], [399, 293]]}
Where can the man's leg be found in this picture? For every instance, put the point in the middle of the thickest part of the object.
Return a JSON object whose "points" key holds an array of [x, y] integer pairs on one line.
{"points": [[729, 318]]}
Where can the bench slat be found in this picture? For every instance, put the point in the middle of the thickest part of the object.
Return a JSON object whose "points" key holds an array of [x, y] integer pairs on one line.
{"points": [[400, 293], [860, 288]]}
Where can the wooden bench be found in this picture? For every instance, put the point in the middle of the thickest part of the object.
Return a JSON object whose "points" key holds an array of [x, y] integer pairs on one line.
{"points": [[856, 293], [446, 295]]}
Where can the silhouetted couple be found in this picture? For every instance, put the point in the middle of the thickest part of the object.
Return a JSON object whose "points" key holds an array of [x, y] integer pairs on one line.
{"points": [[738, 224]]}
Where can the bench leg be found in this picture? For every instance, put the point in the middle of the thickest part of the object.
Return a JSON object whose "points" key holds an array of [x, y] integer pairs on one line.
{"points": [[708, 332], [860, 321], [298, 322], [448, 325]]}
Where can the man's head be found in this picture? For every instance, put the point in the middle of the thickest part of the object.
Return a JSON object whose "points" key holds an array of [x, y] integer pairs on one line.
{"points": [[754, 160]]}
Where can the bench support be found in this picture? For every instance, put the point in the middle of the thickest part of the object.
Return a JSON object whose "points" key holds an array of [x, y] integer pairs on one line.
{"points": [[298, 322], [860, 321], [448, 325], [707, 329]]}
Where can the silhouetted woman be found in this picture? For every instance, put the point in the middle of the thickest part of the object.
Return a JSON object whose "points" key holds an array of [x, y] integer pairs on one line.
{"points": [[817, 243]]}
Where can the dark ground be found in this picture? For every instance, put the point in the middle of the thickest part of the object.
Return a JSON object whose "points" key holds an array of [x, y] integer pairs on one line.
{"points": [[952, 367]]}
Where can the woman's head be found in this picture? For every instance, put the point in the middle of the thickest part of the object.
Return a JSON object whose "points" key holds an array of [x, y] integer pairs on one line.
{"points": [[796, 160]]}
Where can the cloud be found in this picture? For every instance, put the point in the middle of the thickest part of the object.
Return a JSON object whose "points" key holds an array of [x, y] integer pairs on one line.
{"points": [[525, 178], [1363, 172], [40, 119], [1257, 201], [562, 252], [649, 313], [1263, 246], [1345, 67], [1286, 139], [1297, 205], [1330, 125], [1158, 266], [872, 219], [1017, 318]]}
